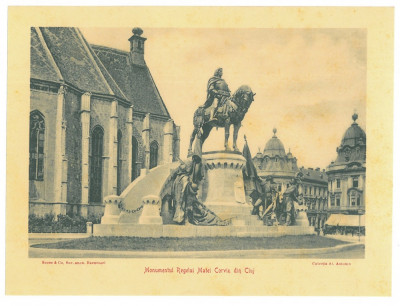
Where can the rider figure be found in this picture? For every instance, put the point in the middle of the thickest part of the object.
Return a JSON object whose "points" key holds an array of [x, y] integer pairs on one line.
{"points": [[214, 97]]}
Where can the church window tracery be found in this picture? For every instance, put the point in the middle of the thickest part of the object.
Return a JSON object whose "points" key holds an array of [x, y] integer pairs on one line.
{"points": [[96, 165], [36, 146], [153, 154]]}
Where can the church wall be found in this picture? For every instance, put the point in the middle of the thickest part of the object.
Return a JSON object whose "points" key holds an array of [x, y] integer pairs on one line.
{"points": [[43, 191], [73, 146], [96, 210], [100, 112], [126, 145], [157, 134], [137, 133]]}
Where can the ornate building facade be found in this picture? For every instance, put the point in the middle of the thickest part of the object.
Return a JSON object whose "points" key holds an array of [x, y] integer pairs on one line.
{"points": [[314, 188], [97, 121], [346, 175], [274, 162], [282, 167]]}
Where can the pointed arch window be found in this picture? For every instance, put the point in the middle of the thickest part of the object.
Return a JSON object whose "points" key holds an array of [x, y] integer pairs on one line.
{"points": [[153, 154], [135, 147], [36, 146], [96, 165], [119, 163]]}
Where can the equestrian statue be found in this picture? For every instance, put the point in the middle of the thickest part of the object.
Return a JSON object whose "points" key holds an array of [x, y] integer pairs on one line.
{"points": [[221, 110]]}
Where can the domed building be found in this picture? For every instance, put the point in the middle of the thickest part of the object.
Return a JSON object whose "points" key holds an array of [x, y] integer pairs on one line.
{"points": [[346, 178], [276, 163]]}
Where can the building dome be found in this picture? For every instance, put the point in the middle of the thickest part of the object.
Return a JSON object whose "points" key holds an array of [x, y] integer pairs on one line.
{"points": [[274, 147], [354, 134]]}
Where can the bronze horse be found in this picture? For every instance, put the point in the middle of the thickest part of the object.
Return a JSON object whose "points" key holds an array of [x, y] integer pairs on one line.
{"points": [[231, 110]]}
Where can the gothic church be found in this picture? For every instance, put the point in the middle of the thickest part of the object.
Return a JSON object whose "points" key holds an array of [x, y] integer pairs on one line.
{"points": [[97, 121]]}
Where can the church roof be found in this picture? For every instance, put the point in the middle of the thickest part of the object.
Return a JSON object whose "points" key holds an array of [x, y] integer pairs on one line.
{"points": [[62, 54], [274, 147], [135, 80], [42, 66], [73, 59]]}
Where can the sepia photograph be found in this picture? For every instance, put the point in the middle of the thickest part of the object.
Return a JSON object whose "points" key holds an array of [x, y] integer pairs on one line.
{"points": [[168, 166]]}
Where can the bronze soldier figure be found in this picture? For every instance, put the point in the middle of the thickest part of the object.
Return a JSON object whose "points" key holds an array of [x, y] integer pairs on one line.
{"points": [[289, 197]]}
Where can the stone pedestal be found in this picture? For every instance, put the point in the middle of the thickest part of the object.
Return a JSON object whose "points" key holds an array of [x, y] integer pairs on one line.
{"points": [[111, 210], [223, 189], [302, 219], [151, 210]]}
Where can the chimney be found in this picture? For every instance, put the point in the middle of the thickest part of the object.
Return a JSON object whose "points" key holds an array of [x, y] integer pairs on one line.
{"points": [[137, 47]]}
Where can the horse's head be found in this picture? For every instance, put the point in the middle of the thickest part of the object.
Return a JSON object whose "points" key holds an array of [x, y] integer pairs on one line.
{"points": [[243, 96]]}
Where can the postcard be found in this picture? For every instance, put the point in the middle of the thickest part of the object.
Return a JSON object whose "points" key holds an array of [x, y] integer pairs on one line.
{"points": [[199, 151]]}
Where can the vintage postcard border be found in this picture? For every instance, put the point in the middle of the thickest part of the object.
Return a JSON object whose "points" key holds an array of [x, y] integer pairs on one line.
{"points": [[369, 276]]}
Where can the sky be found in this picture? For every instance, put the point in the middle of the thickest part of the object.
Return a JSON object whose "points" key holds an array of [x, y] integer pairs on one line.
{"points": [[308, 82]]}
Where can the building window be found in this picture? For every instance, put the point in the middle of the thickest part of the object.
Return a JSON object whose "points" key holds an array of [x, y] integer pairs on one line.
{"points": [[96, 165], [337, 183], [135, 151], [337, 201], [358, 200], [36, 146], [280, 188], [153, 154], [119, 162], [355, 182]]}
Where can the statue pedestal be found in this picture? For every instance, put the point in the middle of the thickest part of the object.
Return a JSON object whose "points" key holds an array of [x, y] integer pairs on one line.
{"points": [[301, 219], [151, 210], [111, 210], [223, 187]]}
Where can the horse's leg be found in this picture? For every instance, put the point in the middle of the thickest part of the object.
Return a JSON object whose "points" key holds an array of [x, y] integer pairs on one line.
{"points": [[206, 131], [195, 130], [227, 126], [236, 128]]}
